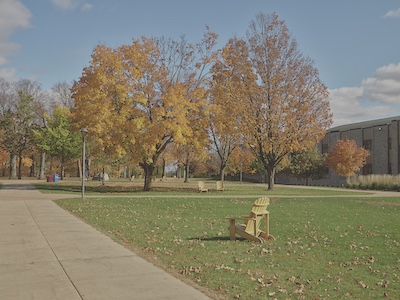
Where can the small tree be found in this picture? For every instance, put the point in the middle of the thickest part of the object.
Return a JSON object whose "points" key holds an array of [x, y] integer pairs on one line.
{"points": [[308, 164], [57, 138], [346, 158]]}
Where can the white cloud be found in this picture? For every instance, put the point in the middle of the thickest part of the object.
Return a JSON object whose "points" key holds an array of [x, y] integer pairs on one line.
{"points": [[376, 97], [71, 4], [349, 106], [385, 86], [13, 15], [389, 71], [393, 14]]}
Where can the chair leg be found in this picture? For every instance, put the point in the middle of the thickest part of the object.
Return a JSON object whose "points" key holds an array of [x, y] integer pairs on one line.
{"points": [[267, 224], [232, 229]]}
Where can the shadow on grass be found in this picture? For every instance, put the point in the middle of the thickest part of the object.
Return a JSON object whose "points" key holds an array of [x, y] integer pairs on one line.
{"points": [[215, 239], [104, 189]]}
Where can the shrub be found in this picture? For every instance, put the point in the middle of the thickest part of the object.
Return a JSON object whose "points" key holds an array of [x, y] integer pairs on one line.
{"points": [[375, 182]]}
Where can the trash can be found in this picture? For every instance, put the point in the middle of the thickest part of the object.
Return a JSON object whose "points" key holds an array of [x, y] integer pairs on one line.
{"points": [[50, 178], [55, 177]]}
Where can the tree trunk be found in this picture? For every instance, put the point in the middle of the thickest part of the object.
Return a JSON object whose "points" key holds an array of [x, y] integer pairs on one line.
{"points": [[124, 172], [187, 166], [179, 172], [103, 182], [271, 178], [13, 166], [222, 168], [163, 169], [33, 167], [148, 175], [20, 166], [42, 165], [222, 173], [79, 163], [62, 168]]}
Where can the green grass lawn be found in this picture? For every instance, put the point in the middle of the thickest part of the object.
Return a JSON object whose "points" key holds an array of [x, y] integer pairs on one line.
{"points": [[172, 186], [332, 247]]}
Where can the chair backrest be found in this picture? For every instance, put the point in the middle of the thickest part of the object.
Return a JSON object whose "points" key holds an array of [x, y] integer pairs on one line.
{"points": [[220, 186], [258, 211], [202, 186]]}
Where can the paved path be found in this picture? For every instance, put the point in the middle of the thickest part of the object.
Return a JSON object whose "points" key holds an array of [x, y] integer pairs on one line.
{"points": [[47, 253]]}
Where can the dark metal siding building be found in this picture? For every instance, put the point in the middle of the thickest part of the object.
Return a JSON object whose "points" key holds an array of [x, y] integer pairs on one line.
{"points": [[380, 137]]}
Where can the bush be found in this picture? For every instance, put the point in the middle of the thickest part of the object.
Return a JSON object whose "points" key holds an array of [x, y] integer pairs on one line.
{"points": [[375, 182]]}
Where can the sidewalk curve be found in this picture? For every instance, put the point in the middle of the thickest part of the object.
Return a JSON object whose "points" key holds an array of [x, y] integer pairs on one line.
{"points": [[47, 253]]}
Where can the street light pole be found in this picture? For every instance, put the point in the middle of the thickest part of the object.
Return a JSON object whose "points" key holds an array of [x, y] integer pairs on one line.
{"points": [[84, 131]]}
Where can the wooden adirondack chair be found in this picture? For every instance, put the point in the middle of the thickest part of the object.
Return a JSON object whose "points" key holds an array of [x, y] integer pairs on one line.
{"points": [[202, 187], [220, 186], [251, 229]]}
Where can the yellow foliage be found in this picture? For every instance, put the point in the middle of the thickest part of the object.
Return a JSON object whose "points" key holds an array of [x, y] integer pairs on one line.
{"points": [[27, 162], [131, 100]]}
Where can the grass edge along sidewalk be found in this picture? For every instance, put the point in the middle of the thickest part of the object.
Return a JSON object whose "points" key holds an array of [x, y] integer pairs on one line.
{"points": [[326, 247]]}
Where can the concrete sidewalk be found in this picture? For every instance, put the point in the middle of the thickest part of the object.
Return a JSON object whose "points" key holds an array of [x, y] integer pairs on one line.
{"points": [[47, 253]]}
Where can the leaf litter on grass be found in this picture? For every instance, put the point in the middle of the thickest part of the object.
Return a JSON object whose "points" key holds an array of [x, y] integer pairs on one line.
{"points": [[325, 248]]}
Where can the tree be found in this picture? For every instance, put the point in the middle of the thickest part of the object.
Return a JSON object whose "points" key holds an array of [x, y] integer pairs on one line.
{"points": [[195, 77], [308, 164], [40, 105], [17, 125], [134, 99], [194, 150], [63, 94], [240, 160], [57, 138], [346, 158], [232, 78], [288, 109], [6, 102]]}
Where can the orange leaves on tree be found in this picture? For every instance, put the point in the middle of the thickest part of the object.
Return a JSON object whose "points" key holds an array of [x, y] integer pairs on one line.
{"points": [[273, 90], [346, 158]]}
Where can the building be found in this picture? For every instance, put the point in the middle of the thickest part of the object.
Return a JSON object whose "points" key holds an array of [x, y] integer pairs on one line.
{"points": [[380, 137]]}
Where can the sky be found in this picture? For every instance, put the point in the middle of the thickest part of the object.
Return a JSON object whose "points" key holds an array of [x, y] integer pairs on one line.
{"points": [[355, 44]]}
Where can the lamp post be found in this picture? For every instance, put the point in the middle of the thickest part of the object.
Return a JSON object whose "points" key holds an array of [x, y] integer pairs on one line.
{"points": [[84, 132]]}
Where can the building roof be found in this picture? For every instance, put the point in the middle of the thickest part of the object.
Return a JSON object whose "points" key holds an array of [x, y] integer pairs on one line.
{"points": [[366, 124]]}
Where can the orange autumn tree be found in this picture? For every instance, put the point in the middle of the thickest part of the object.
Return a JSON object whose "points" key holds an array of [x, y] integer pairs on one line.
{"points": [[133, 100], [346, 158], [288, 109], [232, 79]]}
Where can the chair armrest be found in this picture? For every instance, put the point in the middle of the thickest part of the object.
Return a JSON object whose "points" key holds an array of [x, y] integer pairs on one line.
{"points": [[261, 214]]}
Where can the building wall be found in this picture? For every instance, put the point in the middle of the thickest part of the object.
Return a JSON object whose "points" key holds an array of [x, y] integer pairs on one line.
{"points": [[380, 149], [380, 137]]}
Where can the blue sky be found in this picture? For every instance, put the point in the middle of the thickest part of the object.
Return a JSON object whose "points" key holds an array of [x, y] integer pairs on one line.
{"points": [[355, 44]]}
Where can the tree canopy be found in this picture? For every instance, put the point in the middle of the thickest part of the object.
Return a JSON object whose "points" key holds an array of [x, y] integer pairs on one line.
{"points": [[139, 98], [283, 105], [346, 158], [308, 164]]}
